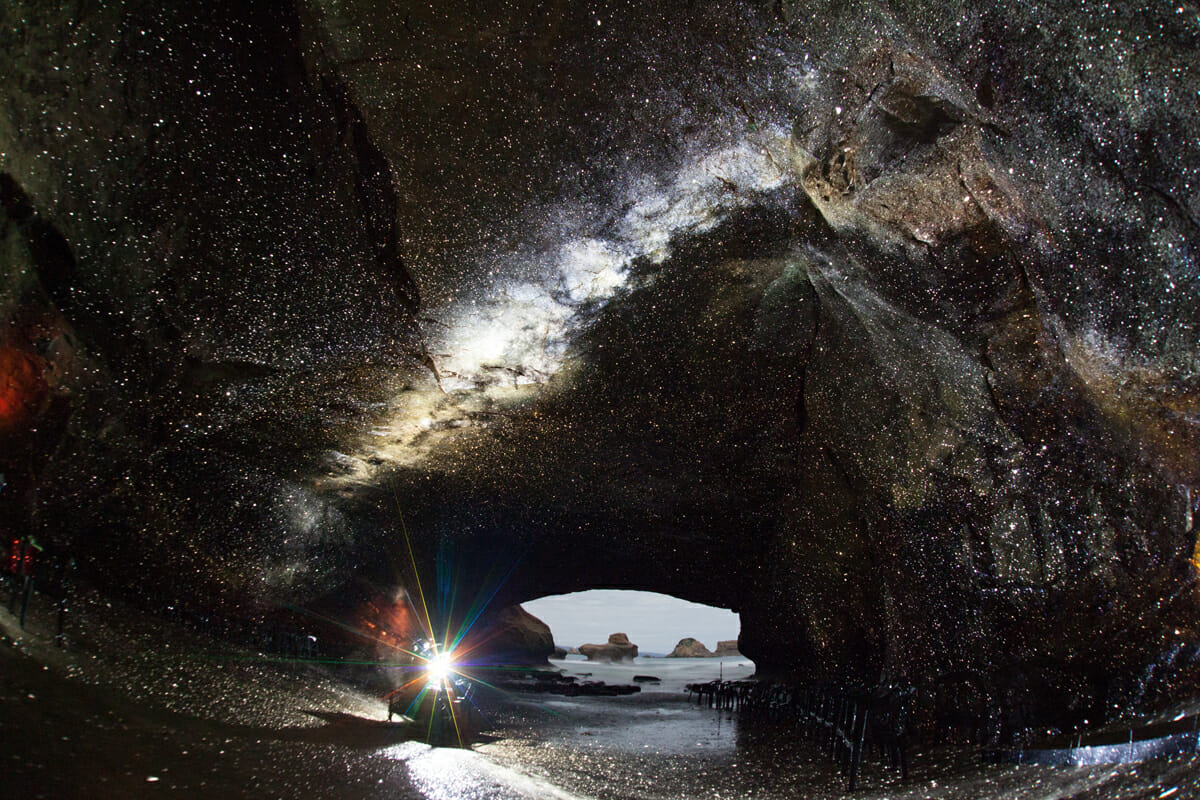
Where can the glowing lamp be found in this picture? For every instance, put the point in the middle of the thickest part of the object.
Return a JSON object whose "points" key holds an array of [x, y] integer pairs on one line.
{"points": [[438, 669]]}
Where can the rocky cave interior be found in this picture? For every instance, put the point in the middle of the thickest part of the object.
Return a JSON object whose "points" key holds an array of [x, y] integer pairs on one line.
{"points": [[875, 322]]}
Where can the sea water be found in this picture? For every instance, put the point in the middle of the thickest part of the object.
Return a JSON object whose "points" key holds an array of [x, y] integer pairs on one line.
{"points": [[674, 674]]}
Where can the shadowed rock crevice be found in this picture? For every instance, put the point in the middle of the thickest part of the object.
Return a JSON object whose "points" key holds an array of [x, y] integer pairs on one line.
{"points": [[53, 262]]}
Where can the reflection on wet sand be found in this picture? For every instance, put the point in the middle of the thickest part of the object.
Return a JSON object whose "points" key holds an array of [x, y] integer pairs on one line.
{"points": [[657, 744]]}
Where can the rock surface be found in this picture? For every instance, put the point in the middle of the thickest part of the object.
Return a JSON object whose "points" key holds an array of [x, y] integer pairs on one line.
{"points": [[727, 647], [618, 649], [201, 287], [511, 636], [690, 648]]}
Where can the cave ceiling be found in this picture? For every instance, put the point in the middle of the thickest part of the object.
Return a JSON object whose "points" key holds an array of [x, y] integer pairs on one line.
{"points": [[876, 322]]}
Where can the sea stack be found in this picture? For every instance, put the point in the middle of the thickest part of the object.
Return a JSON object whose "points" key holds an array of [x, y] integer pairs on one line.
{"points": [[618, 649], [727, 647], [690, 648]]}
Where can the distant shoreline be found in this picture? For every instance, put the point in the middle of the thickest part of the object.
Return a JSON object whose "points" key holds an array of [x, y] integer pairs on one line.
{"points": [[576, 657]]}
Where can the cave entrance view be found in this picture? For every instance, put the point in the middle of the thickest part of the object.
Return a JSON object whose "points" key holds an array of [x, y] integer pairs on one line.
{"points": [[656, 624], [331, 330]]}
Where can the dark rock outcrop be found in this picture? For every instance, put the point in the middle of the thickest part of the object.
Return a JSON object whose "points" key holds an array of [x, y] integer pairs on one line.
{"points": [[690, 648], [511, 636], [618, 649]]}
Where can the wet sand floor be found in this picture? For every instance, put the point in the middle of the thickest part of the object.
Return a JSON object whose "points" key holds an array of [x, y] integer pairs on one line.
{"points": [[139, 708], [661, 746]]}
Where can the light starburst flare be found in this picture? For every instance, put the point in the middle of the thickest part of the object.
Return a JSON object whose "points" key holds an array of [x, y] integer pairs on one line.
{"points": [[438, 670]]}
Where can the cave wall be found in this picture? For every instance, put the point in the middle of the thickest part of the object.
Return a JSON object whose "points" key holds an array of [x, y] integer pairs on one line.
{"points": [[1010, 306], [201, 282], [924, 412], [923, 406]]}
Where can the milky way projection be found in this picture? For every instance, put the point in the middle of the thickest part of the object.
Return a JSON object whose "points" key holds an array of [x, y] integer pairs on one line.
{"points": [[515, 331]]}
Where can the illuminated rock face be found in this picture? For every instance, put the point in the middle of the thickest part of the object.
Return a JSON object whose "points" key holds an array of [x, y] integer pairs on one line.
{"points": [[879, 326]]}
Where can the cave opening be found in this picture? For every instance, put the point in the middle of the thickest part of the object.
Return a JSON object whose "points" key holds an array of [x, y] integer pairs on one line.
{"points": [[657, 624]]}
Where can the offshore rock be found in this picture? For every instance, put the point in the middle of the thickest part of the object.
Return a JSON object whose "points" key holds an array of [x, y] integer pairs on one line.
{"points": [[727, 647], [690, 648], [618, 649]]}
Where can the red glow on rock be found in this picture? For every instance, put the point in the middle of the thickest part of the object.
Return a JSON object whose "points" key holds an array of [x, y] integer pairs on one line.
{"points": [[22, 387], [390, 621]]}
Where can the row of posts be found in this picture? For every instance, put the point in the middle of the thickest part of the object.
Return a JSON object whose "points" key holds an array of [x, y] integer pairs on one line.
{"points": [[846, 723]]}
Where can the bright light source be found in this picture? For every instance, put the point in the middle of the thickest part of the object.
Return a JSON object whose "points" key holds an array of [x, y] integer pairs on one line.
{"points": [[437, 670]]}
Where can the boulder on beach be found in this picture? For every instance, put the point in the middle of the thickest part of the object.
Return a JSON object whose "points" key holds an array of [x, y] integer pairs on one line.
{"points": [[559, 652], [618, 649], [510, 636]]}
